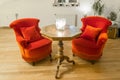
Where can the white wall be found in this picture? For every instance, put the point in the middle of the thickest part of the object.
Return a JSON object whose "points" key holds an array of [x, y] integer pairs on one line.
{"points": [[112, 5], [44, 10], [41, 9]]}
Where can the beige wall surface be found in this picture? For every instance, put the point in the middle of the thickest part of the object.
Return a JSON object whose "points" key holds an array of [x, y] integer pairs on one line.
{"points": [[44, 10]]}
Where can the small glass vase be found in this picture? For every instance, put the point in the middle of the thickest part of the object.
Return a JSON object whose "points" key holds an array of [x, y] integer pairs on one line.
{"points": [[60, 23]]}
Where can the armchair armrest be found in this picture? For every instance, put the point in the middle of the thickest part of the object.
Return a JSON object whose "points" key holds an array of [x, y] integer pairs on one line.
{"points": [[102, 39], [22, 41]]}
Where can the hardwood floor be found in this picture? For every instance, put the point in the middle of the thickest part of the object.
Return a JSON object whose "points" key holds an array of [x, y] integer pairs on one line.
{"points": [[13, 67]]}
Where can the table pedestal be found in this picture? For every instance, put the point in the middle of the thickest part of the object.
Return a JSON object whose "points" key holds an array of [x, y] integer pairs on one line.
{"points": [[61, 57]]}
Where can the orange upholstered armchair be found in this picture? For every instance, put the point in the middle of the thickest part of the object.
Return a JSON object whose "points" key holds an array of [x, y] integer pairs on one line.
{"points": [[91, 42], [33, 46]]}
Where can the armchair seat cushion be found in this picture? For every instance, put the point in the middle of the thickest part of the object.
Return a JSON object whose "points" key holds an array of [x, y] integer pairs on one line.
{"points": [[30, 33], [38, 44], [87, 43], [89, 47]]}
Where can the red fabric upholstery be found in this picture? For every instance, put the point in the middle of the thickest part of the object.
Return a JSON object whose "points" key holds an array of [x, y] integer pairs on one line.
{"points": [[91, 33], [33, 46], [91, 49], [95, 21], [31, 34]]}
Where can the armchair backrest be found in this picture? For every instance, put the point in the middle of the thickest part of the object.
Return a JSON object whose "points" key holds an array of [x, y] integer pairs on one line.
{"points": [[96, 21], [24, 22]]}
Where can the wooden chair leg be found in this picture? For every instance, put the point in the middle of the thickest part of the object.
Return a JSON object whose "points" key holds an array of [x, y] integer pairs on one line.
{"points": [[92, 62], [50, 58], [73, 55], [33, 63]]}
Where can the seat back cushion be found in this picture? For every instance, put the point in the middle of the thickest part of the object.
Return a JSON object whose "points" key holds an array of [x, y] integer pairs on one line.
{"points": [[91, 33], [31, 34]]}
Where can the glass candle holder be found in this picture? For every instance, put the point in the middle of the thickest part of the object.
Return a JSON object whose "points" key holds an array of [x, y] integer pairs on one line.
{"points": [[60, 23]]}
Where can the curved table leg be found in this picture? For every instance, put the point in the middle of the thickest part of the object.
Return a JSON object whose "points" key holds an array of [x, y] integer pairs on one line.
{"points": [[61, 58]]}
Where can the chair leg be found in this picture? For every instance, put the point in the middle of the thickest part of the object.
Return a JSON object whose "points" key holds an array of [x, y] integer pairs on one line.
{"points": [[33, 63], [92, 62], [50, 58], [73, 55]]}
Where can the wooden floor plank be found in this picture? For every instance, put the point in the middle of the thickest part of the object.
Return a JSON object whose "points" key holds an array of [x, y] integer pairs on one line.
{"points": [[13, 67]]}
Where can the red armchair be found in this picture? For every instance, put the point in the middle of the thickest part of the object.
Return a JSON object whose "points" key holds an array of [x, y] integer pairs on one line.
{"points": [[33, 46], [91, 42]]}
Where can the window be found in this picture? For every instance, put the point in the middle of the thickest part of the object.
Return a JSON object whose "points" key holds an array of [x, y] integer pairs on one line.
{"points": [[66, 3]]}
